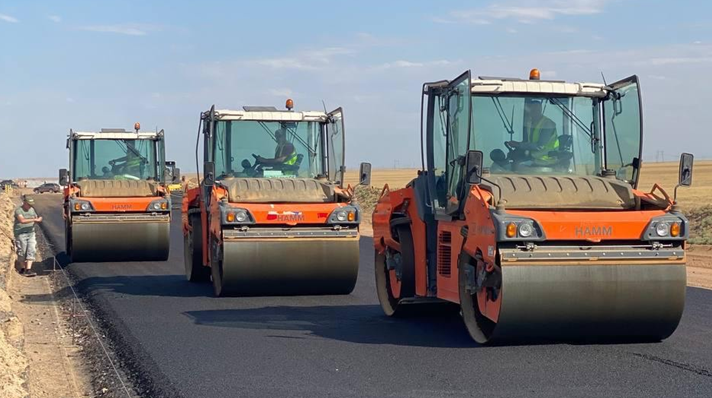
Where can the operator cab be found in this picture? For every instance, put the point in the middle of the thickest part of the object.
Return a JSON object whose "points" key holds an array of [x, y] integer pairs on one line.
{"points": [[264, 142], [531, 128]]}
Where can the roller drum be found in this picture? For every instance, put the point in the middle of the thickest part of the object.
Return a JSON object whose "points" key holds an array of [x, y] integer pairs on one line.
{"points": [[289, 266], [120, 239], [625, 301]]}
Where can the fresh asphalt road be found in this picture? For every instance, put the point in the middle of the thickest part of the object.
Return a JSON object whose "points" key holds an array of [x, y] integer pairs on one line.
{"points": [[185, 342]]}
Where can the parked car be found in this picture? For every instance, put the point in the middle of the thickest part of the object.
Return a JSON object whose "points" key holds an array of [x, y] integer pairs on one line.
{"points": [[48, 187], [9, 183]]}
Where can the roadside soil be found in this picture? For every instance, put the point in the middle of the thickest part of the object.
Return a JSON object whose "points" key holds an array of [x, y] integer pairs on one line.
{"points": [[699, 266], [56, 366]]}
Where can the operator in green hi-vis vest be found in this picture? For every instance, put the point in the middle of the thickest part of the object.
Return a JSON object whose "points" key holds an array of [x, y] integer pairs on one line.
{"points": [[540, 135], [284, 155]]}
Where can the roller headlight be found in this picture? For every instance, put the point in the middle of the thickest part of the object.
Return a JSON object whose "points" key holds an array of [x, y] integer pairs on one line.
{"points": [[80, 205], [241, 216], [158, 205], [348, 214], [526, 230], [662, 229], [235, 215]]}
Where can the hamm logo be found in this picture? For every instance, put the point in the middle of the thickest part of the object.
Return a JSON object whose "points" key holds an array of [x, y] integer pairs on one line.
{"points": [[121, 206], [285, 216], [593, 231]]}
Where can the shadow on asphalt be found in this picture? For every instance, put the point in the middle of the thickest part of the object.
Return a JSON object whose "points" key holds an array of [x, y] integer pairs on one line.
{"points": [[361, 324]]}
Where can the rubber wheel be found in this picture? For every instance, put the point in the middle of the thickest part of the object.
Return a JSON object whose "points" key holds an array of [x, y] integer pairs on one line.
{"points": [[391, 290], [478, 326], [193, 252], [216, 269], [68, 240]]}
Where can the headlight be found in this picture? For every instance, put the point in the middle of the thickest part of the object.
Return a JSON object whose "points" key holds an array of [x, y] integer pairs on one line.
{"points": [[670, 227], [241, 216], [348, 214], [341, 215], [157, 205], [526, 230], [511, 228], [81, 205], [662, 229], [232, 215]]}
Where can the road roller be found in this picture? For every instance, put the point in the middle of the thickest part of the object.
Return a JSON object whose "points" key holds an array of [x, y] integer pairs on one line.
{"points": [[550, 238], [271, 214], [116, 207]]}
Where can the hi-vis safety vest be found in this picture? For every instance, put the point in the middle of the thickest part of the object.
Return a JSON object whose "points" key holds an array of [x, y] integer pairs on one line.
{"points": [[551, 145], [289, 161]]}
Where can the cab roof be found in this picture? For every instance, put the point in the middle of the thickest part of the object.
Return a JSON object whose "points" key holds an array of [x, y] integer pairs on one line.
{"points": [[271, 114], [490, 85], [115, 134]]}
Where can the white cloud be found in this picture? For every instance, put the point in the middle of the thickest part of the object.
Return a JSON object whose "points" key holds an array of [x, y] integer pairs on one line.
{"points": [[402, 64], [69, 100], [7, 18], [281, 92], [524, 11], [313, 59], [55, 18], [129, 29]]}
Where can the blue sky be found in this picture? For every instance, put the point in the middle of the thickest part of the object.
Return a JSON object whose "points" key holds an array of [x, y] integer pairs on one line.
{"points": [[88, 64]]}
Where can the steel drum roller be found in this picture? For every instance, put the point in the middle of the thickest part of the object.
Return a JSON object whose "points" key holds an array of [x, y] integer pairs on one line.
{"points": [[290, 266], [591, 301], [120, 239]]}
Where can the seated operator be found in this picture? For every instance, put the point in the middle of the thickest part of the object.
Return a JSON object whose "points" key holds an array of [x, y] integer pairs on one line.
{"points": [[284, 154], [540, 135], [131, 163]]}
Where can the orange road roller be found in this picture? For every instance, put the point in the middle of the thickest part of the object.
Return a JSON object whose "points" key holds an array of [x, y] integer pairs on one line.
{"points": [[550, 238], [115, 203], [271, 215]]}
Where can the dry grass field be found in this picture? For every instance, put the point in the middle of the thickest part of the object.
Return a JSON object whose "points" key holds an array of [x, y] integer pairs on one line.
{"points": [[665, 174]]}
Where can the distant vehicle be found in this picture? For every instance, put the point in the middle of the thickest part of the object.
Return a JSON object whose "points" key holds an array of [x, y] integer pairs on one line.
{"points": [[9, 183], [172, 177], [48, 187]]}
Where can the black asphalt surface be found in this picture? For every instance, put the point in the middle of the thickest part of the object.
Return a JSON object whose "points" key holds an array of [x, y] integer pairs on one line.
{"points": [[185, 342]]}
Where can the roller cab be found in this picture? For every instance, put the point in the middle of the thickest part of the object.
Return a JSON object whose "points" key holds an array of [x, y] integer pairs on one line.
{"points": [[271, 215], [529, 217], [115, 202]]}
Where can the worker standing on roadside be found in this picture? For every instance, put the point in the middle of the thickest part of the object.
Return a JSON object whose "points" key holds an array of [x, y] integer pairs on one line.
{"points": [[24, 231]]}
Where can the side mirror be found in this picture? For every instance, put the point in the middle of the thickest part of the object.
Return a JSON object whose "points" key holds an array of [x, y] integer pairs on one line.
{"points": [[473, 167], [364, 174], [63, 177], [209, 174], [685, 178], [176, 175]]}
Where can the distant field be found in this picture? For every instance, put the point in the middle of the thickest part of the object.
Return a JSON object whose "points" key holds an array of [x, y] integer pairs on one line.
{"points": [[664, 174]]}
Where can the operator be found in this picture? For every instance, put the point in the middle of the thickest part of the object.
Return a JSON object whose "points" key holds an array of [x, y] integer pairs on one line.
{"points": [[132, 161], [540, 135], [284, 155]]}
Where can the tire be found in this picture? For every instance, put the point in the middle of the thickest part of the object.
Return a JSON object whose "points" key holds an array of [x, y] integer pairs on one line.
{"points": [[390, 302], [216, 270], [193, 252]]}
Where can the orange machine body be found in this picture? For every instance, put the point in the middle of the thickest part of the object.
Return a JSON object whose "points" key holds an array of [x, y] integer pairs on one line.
{"points": [[579, 227], [265, 214]]}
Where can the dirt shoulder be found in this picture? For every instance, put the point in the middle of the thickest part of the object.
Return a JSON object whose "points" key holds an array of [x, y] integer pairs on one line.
{"points": [[39, 356], [13, 362]]}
